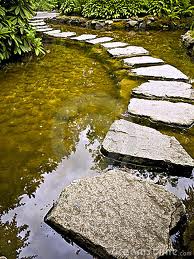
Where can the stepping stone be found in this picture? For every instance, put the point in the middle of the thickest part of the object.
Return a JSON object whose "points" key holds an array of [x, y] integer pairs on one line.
{"points": [[100, 40], [129, 51], [116, 215], [37, 23], [112, 45], [165, 90], [63, 34], [142, 61], [43, 29], [167, 72], [84, 37], [132, 143], [175, 114], [52, 33], [45, 15]]}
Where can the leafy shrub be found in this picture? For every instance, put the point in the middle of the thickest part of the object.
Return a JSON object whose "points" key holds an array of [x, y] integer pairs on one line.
{"points": [[16, 35], [45, 5], [71, 6], [114, 8]]}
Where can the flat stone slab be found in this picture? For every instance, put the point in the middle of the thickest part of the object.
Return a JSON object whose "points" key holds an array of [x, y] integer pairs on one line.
{"points": [[165, 90], [116, 215], [85, 37], [160, 72], [64, 34], [175, 114], [100, 40], [129, 51], [45, 15], [53, 32], [37, 23], [133, 143], [113, 45], [44, 29], [142, 61]]}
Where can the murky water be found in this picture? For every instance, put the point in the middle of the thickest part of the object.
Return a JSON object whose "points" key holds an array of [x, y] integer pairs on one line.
{"points": [[55, 112]]}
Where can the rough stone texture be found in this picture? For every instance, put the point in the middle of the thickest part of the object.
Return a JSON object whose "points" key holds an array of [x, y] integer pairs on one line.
{"points": [[113, 45], [143, 61], [53, 32], [84, 37], [176, 114], [64, 34], [100, 40], [188, 41], [160, 72], [115, 215], [133, 143], [129, 51], [165, 90]]}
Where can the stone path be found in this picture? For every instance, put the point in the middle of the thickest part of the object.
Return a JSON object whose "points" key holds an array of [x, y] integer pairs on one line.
{"points": [[115, 215]]}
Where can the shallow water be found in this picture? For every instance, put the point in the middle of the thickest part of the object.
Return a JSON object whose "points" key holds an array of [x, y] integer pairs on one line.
{"points": [[55, 112]]}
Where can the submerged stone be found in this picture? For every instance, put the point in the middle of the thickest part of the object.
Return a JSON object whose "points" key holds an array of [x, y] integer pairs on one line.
{"points": [[173, 90], [132, 143], [143, 61], [176, 114], [100, 40], [129, 51], [113, 45], [116, 215], [85, 37], [160, 72]]}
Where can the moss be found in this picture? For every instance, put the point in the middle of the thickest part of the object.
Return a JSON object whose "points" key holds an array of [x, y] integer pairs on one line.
{"points": [[119, 25]]}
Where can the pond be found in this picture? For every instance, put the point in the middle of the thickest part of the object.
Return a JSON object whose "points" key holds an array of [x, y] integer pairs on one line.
{"points": [[55, 111]]}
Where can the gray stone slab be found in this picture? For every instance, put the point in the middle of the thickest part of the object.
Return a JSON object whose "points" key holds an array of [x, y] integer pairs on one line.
{"points": [[85, 37], [63, 34], [175, 114], [142, 61], [113, 45], [100, 40], [45, 15], [116, 215], [37, 23], [47, 29], [129, 51], [133, 143], [52, 33], [160, 72], [166, 90]]}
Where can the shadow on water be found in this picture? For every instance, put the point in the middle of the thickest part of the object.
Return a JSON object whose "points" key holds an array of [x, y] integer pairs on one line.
{"points": [[55, 112]]}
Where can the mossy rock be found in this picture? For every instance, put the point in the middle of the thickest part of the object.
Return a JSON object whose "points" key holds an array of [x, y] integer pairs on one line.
{"points": [[189, 237], [121, 25]]}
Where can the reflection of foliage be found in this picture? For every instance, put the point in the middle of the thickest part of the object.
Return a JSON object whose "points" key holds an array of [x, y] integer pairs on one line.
{"points": [[189, 233], [13, 238]]}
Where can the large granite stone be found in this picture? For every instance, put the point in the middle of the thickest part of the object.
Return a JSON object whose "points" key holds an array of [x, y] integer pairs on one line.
{"points": [[37, 23], [160, 72], [112, 45], [100, 40], [132, 143], [143, 61], [116, 215], [165, 90], [176, 114], [129, 51], [45, 29], [85, 37]]}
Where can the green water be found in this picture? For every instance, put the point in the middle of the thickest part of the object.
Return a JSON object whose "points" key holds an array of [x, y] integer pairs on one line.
{"points": [[55, 112]]}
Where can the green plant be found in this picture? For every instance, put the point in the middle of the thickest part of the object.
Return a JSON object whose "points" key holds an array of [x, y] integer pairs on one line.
{"points": [[71, 6], [16, 35], [45, 5]]}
